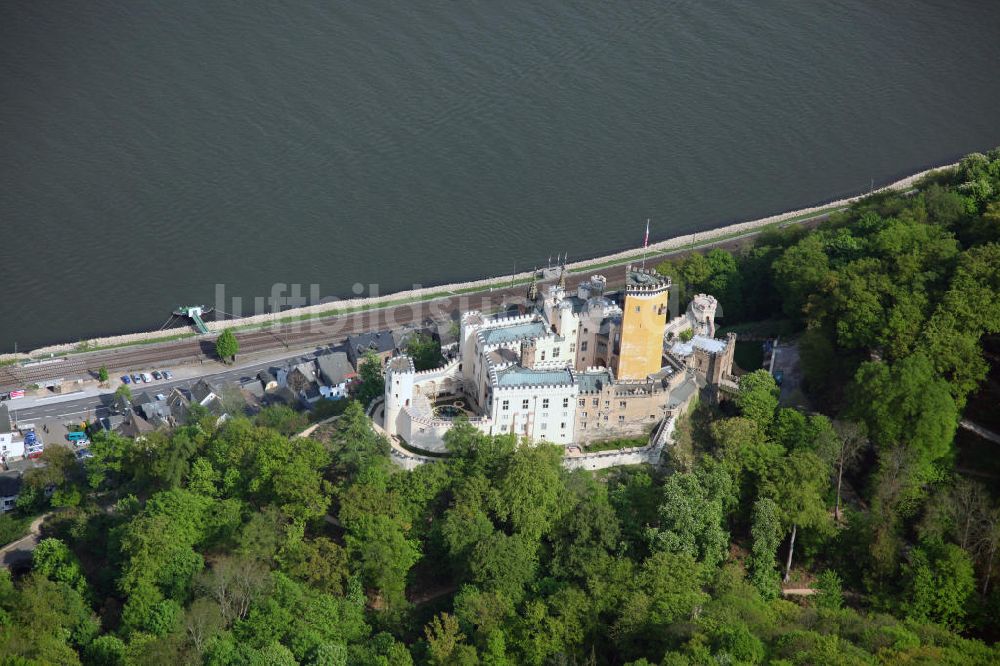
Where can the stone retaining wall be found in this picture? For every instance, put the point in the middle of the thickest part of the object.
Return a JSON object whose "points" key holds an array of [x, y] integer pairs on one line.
{"points": [[478, 285]]}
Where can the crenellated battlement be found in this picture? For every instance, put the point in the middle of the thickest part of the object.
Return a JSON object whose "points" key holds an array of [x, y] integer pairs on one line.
{"points": [[640, 281], [442, 371], [401, 364]]}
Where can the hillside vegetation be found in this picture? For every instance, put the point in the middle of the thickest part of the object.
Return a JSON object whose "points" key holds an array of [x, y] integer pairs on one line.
{"points": [[236, 544]]}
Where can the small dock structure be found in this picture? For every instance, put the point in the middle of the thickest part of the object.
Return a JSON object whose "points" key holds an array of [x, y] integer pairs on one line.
{"points": [[194, 313]]}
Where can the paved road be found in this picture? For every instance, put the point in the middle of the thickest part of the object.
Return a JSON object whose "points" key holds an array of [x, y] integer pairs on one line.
{"points": [[18, 553], [309, 334], [97, 406], [980, 430]]}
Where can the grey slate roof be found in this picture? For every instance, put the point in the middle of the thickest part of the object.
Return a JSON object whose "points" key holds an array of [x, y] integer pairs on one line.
{"points": [[524, 331], [593, 382], [681, 393], [10, 484], [380, 341], [519, 376], [334, 368], [201, 390]]}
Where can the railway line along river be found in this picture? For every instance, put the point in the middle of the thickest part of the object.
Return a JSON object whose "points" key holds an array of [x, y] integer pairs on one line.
{"points": [[152, 151]]}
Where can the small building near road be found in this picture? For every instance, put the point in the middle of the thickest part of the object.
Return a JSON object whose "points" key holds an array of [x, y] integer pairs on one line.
{"points": [[179, 402], [157, 412], [204, 394], [299, 377], [10, 489], [136, 427], [383, 343], [11, 441], [336, 374]]}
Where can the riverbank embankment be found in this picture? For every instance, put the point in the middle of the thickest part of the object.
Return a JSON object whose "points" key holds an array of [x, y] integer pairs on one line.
{"points": [[347, 306]]}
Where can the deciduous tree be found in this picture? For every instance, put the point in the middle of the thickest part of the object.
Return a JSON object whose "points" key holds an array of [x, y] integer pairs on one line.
{"points": [[227, 346]]}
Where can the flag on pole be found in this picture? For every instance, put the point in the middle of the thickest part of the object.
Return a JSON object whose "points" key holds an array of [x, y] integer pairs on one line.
{"points": [[645, 243]]}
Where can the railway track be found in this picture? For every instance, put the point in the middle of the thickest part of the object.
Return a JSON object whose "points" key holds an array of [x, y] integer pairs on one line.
{"points": [[307, 333]]}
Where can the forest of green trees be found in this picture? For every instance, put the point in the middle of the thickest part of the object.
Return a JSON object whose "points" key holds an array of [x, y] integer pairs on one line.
{"points": [[235, 543]]}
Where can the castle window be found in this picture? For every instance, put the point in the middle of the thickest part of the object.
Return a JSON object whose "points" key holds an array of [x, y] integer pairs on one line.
{"points": [[583, 345], [562, 425], [565, 402], [555, 353], [622, 403], [524, 404], [506, 405], [607, 403], [503, 428], [638, 308], [583, 402], [572, 347], [584, 414], [621, 419], [585, 331], [543, 354], [596, 402], [545, 403], [652, 416], [545, 425]]}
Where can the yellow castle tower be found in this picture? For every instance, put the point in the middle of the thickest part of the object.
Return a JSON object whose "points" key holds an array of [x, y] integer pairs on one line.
{"points": [[644, 319]]}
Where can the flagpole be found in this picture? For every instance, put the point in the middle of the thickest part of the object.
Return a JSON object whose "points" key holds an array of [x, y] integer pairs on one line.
{"points": [[645, 244]]}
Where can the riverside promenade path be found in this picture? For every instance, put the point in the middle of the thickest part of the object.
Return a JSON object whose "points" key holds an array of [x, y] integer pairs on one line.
{"points": [[311, 334]]}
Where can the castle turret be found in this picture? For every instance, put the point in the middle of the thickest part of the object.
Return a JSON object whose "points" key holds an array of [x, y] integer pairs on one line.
{"points": [[644, 319], [701, 312], [399, 376]]}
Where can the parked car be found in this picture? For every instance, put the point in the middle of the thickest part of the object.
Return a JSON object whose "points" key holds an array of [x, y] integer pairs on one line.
{"points": [[136, 378], [156, 375], [83, 454], [126, 379], [167, 374], [147, 378], [160, 396]]}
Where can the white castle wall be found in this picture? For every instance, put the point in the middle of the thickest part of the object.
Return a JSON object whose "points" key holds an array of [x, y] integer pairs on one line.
{"points": [[554, 423]]}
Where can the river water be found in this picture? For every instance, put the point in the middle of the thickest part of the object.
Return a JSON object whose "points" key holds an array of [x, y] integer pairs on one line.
{"points": [[152, 150]]}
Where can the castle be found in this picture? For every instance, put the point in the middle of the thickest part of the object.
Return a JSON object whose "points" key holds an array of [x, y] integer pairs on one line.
{"points": [[569, 368]]}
